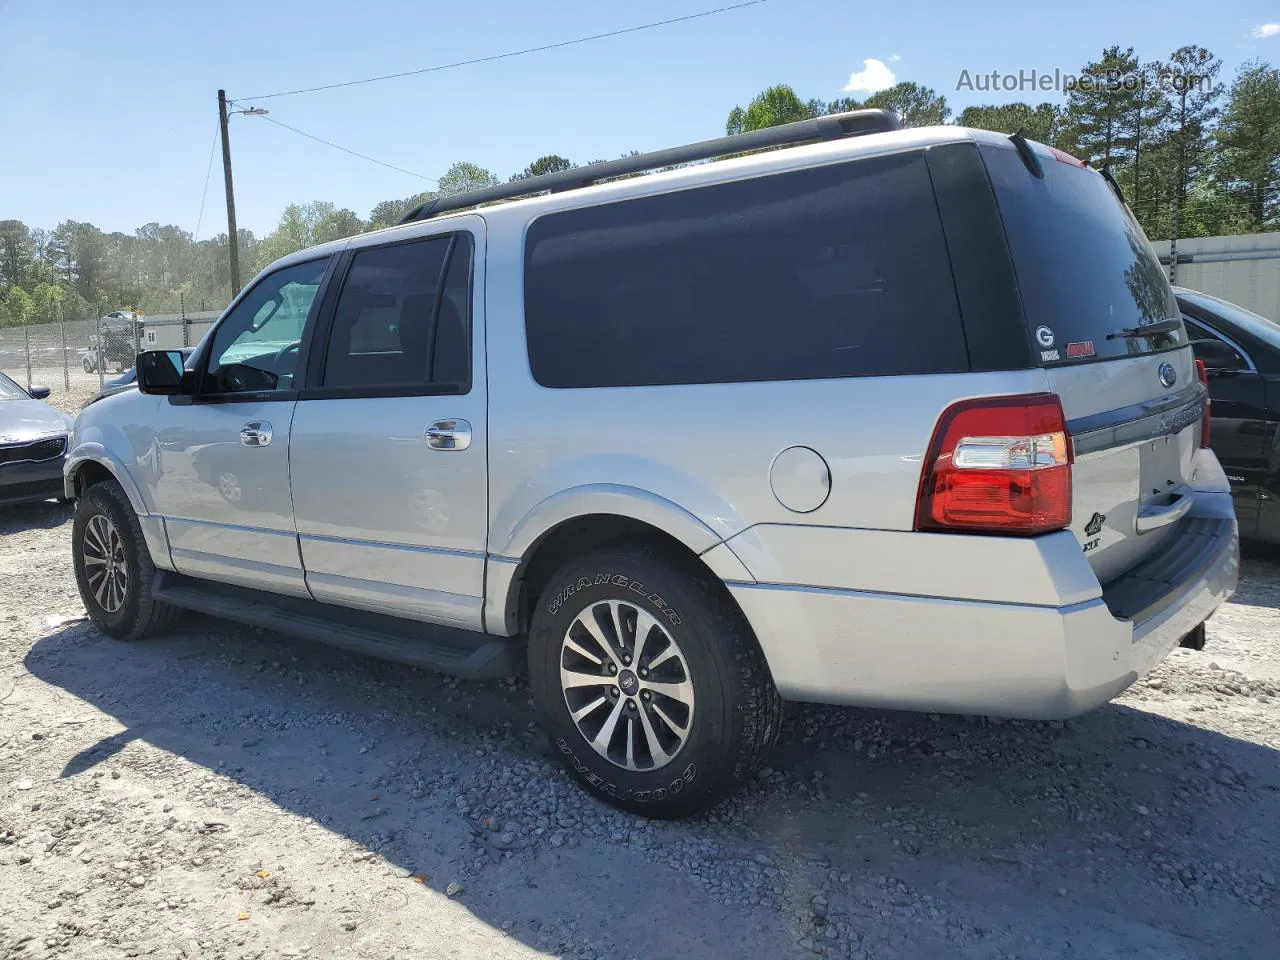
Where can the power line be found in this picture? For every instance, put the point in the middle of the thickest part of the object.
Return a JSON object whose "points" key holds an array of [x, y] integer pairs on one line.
{"points": [[1220, 194], [205, 195], [514, 53], [336, 146]]}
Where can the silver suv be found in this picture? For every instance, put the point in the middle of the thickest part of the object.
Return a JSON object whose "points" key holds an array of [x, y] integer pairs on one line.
{"points": [[893, 418]]}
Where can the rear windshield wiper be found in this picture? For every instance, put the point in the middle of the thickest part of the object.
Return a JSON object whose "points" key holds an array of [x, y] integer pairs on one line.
{"points": [[1114, 185], [1158, 329]]}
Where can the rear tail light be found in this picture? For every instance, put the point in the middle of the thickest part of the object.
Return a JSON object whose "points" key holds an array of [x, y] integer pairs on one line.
{"points": [[998, 465], [1205, 422]]}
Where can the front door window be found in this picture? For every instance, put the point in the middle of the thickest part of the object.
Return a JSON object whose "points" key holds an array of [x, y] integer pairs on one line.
{"points": [[255, 348]]}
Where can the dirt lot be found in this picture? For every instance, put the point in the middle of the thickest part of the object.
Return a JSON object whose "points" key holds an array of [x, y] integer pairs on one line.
{"points": [[225, 793]]}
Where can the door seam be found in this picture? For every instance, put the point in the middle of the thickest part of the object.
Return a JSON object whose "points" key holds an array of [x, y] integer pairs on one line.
{"points": [[293, 512]]}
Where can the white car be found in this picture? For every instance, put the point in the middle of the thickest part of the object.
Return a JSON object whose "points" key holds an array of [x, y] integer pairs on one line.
{"points": [[894, 418]]}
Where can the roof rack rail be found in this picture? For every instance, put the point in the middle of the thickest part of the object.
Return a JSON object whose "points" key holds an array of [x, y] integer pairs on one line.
{"points": [[833, 127]]}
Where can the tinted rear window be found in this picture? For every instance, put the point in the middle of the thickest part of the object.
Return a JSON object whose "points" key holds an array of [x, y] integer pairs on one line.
{"points": [[1084, 266], [393, 325], [839, 271]]}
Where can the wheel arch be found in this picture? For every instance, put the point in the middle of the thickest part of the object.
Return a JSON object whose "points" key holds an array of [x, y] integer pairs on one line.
{"points": [[552, 534], [90, 463]]}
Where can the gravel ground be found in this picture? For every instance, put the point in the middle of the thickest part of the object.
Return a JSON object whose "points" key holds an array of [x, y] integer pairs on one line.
{"points": [[226, 793]]}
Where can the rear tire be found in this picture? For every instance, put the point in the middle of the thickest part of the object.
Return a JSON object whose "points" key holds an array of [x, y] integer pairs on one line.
{"points": [[663, 742], [113, 566]]}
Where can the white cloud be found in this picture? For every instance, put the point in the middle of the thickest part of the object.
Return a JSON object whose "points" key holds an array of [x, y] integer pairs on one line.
{"points": [[874, 76], [1264, 30]]}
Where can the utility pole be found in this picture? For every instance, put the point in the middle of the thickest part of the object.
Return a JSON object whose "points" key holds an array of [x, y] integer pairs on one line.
{"points": [[233, 237]]}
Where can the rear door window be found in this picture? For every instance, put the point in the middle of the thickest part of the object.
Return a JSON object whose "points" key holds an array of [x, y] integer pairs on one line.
{"points": [[1084, 267], [402, 318], [838, 271]]}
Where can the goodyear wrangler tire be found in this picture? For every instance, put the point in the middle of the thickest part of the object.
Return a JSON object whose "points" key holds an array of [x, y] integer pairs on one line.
{"points": [[649, 682], [113, 566]]}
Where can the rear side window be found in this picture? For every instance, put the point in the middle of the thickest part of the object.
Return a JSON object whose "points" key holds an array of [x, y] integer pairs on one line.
{"points": [[839, 271], [1197, 332], [1084, 266], [403, 317]]}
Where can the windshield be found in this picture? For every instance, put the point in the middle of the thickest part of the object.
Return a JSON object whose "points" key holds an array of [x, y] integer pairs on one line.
{"points": [[10, 390], [1084, 266], [1265, 330]]}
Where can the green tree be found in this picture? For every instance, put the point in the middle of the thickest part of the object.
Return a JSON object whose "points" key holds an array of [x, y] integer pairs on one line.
{"points": [[18, 307], [916, 105], [390, 212], [1148, 122], [17, 253], [843, 105], [551, 163], [1101, 106], [81, 258], [776, 105], [304, 225], [464, 177], [1042, 122], [1209, 210], [1248, 141], [1191, 76], [45, 300]]}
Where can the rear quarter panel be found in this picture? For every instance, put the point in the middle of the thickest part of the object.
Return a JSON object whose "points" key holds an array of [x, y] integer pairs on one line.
{"points": [[706, 448]]}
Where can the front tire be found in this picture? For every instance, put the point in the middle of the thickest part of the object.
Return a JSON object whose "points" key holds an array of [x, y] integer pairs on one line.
{"points": [[649, 682], [113, 566]]}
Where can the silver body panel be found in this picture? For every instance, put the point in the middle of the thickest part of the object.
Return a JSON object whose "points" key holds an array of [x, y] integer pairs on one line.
{"points": [[227, 506], [951, 653], [350, 504]]}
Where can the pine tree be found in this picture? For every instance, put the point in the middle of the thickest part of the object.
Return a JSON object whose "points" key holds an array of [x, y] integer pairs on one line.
{"points": [[1150, 116], [1100, 107], [1248, 142], [1191, 76]]}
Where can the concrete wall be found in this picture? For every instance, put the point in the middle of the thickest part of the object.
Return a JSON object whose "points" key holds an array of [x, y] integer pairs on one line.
{"points": [[1243, 269]]}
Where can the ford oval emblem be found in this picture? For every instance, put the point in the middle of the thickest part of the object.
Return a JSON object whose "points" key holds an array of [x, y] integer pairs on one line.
{"points": [[1168, 375]]}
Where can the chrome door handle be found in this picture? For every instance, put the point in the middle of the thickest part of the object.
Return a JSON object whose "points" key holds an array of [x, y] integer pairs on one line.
{"points": [[256, 433], [449, 435]]}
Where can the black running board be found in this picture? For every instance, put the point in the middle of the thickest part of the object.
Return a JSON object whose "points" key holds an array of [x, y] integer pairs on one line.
{"points": [[461, 653]]}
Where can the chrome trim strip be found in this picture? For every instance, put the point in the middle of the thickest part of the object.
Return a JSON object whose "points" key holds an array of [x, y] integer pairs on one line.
{"points": [[387, 545], [1121, 428]]}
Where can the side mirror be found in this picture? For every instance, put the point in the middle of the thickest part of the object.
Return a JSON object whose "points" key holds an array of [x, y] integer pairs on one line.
{"points": [[38, 393], [161, 372], [1218, 355]]}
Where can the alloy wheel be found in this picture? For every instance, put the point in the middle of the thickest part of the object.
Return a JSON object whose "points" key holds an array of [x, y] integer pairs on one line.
{"points": [[627, 685], [106, 566]]}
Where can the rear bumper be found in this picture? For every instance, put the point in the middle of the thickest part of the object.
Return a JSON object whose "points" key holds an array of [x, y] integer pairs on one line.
{"points": [[29, 482], [975, 656]]}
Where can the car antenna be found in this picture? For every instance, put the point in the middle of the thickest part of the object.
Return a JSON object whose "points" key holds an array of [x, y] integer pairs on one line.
{"points": [[1029, 158]]}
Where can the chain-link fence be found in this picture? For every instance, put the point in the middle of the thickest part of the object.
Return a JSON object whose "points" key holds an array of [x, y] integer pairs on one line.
{"points": [[78, 355]]}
